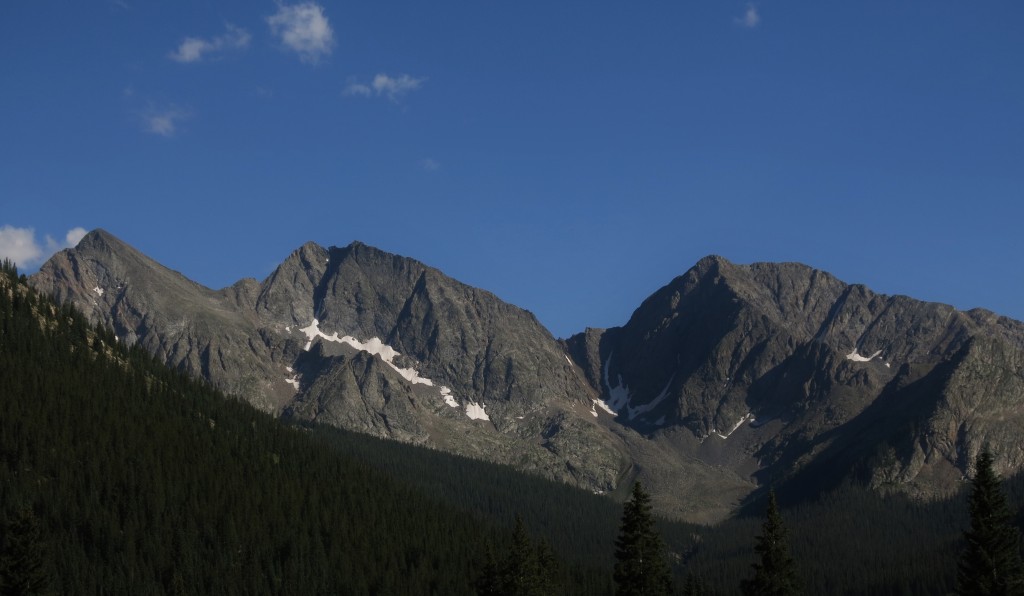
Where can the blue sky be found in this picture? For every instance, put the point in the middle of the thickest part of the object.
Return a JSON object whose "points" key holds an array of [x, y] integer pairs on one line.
{"points": [[571, 157]]}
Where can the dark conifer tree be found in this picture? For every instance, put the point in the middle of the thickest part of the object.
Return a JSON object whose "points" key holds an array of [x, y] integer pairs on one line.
{"points": [[775, 573], [526, 570], [640, 568], [22, 564], [547, 568], [694, 586], [990, 563], [489, 582]]}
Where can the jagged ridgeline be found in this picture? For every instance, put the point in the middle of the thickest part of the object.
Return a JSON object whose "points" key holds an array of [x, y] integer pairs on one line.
{"points": [[144, 480], [727, 379]]}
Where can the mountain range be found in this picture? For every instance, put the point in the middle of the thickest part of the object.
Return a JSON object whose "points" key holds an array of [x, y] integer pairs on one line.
{"points": [[728, 379]]}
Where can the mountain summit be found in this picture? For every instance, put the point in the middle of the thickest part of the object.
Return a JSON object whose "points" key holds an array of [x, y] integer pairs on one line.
{"points": [[728, 378], [358, 338]]}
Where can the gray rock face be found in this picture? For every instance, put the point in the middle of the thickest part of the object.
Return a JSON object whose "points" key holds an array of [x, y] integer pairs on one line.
{"points": [[728, 377], [360, 339], [788, 373]]}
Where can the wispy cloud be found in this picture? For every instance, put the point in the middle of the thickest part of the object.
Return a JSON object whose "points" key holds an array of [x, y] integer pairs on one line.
{"points": [[164, 122], [304, 29], [360, 89], [194, 49], [750, 19], [391, 87], [394, 88], [20, 245], [429, 165]]}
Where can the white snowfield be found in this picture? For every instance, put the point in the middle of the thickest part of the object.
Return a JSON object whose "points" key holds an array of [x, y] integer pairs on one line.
{"points": [[98, 290], [378, 348], [858, 358], [618, 396], [449, 399], [476, 411], [746, 417]]}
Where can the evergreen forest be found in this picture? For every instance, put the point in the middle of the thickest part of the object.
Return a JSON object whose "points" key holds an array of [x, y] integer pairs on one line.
{"points": [[119, 475]]}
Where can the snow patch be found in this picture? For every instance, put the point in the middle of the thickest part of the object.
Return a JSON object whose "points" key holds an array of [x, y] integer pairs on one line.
{"points": [[745, 418], [618, 396], [378, 348], [98, 290], [858, 358], [449, 399], [294, 382], [567, 359], [476, 411]]}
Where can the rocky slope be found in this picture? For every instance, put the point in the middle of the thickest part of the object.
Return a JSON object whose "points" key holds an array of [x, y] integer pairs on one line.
{"points": [[728, 378], [362, 339], [787, 373]]}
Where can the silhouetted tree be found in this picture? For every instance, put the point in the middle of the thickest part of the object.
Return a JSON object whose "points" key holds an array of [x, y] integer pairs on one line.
{"points": [[694, 586], [990, 563], [775, 573], [640, 568], [22, 564], [521, 573], [526, 570]]}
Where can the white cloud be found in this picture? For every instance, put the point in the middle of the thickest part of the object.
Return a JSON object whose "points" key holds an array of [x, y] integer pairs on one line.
{"points": [[396, 87], [74, 236], [20, 245], [164, 122], [304, 29], [750, 18], [192, 49], [358, 89], [391, 87]]}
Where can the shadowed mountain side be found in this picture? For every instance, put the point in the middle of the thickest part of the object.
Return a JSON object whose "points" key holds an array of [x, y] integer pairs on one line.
{"points": [[783, 372]]}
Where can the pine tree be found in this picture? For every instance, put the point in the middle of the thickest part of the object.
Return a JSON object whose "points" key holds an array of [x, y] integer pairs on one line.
{"points": [[775, 574], [520, 574], [990, 563], [489, 582], [22, 564], [640, 568], [526, 570], [694, 586]]}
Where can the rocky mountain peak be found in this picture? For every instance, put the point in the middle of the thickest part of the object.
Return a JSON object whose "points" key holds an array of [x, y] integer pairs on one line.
{"points": [[728, 377]]}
